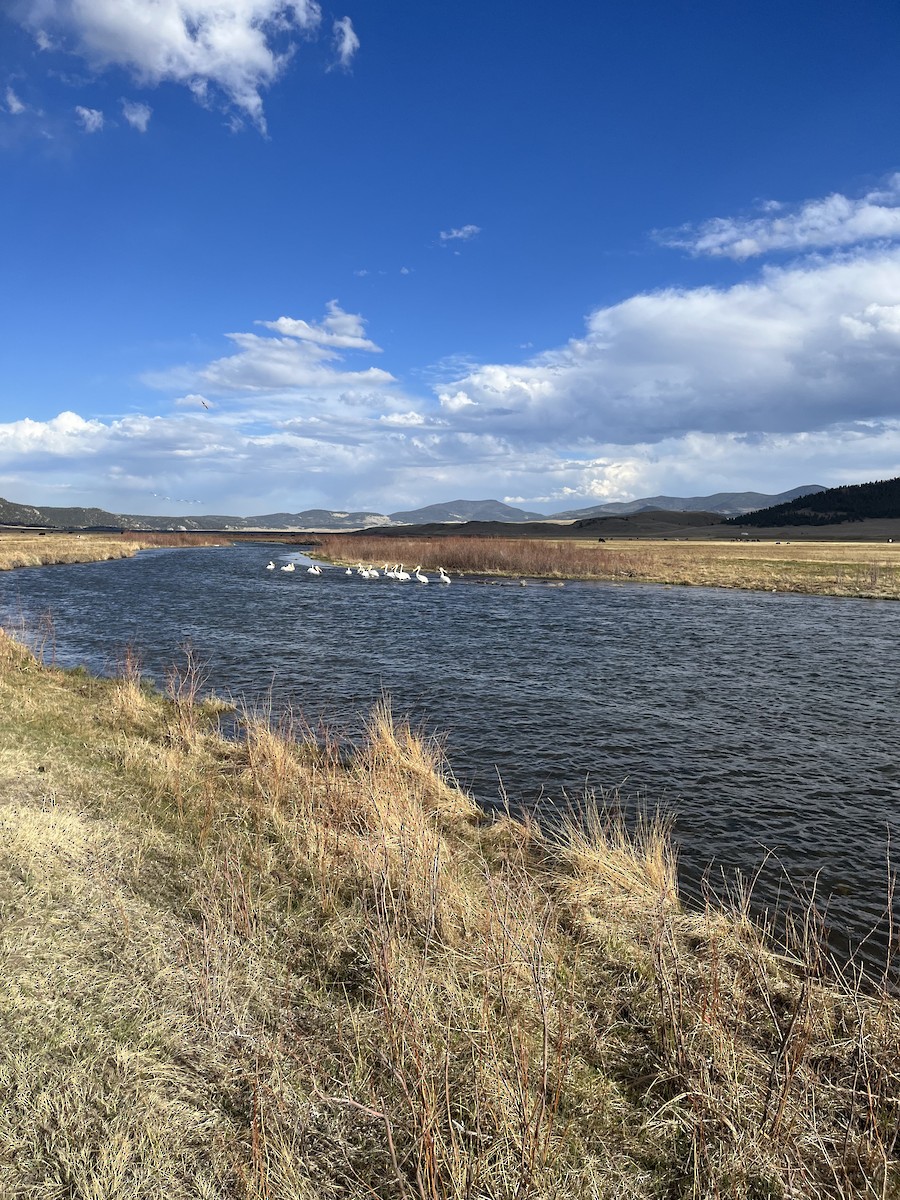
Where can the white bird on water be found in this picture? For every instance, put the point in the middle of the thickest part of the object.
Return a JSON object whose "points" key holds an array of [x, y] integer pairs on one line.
{"points": [[418, 574], [315, 569], [289, 567], [270, 566], [399, 573], [443, 577], [349, 571]]}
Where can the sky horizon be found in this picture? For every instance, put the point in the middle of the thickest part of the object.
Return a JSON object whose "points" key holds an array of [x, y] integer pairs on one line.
{"points": [[263, 255]]}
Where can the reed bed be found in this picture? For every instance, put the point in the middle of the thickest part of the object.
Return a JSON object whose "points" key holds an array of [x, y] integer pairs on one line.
{"points": [[482, 556], [180, 539], [263, 967], [835, 569]]}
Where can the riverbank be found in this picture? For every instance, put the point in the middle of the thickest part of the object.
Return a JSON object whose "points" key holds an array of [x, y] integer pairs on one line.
{"points": [[856, 569], [261, 968], [34, 549]]}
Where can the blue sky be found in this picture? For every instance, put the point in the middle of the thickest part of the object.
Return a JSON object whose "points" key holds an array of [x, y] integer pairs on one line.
{"points": [[263, 256]]}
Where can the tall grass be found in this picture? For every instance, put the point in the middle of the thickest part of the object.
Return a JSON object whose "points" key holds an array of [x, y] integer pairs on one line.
{"points": [[265, 967], [820, 569], [498, 556]]}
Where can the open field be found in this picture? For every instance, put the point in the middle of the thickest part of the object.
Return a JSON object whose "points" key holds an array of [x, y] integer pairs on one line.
{"points": [[260, 968], [821, 568]]}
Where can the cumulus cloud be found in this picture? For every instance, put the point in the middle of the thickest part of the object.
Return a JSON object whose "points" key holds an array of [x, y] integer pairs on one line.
{"points": [[789, 378], [238, 47], [463, 234], [90, 119], [13, 104], [309, 355], [339, 329], [137, 114], [346, 42], [796, 349], [833, 221]]}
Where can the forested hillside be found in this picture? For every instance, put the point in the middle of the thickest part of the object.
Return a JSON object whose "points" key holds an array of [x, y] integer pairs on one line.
{"points": [[855, 502]]}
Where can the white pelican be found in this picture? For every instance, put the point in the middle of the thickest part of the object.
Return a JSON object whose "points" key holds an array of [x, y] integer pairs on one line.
{"points": [[349, 571], [418, 574], [289, 567], [270, 566], [399, 573], [315, 569], [443, 577]]}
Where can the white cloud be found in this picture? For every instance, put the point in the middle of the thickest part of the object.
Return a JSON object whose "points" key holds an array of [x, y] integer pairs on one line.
{"points": [[410, 419], [137, 114], [464, 234], [345, 331], [455, 403], [307, 356], [13, 104], [817, 224], [790, 378], [239, 47], [796, 349], [346, 42], [91, 119]]}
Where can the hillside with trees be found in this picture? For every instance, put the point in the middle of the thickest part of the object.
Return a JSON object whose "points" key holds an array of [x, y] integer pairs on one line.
{"points": [[834, 506]]}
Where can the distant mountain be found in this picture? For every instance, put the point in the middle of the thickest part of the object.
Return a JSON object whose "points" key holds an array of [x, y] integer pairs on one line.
{"points": [[310, 518], [464, 510], [727, 503], [831, 506], [98, 518]]}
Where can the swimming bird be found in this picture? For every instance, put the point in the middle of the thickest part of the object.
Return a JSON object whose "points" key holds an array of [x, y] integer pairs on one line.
{"points": [[315, 569], [270, 566], [418, 574], [399, 573], [443, 577], [289, 567], [349, 571]]}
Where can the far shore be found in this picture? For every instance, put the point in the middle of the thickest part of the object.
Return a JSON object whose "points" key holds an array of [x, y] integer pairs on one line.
{"points": [[862, 570]]}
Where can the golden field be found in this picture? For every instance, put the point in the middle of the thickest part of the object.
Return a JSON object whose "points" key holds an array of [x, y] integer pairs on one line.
{"points": [[268, 968]]}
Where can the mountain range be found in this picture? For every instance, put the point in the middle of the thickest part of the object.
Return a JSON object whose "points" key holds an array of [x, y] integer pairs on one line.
{"points": [[727, 504]]}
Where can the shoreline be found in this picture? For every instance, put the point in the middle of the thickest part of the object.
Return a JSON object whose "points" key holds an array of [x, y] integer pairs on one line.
{"points": [[262, 960], [852, 570]]}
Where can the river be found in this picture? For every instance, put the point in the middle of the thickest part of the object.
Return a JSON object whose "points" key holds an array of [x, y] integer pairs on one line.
{"points": [[764, 724]]}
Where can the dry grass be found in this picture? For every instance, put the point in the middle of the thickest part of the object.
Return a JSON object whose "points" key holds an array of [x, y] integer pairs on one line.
{"points": [[258, 968], [39, 550], [50, 549], [822, 568]]}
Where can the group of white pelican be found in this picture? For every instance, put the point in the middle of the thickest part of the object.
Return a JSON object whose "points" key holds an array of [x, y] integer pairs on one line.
{"points": [[395, 572]]}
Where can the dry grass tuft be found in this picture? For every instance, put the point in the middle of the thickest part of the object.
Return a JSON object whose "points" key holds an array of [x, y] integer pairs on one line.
{"points": [[265, 967]]}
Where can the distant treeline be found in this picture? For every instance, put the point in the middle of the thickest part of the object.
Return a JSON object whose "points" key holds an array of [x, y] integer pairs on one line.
{"points": [[855, 502]]}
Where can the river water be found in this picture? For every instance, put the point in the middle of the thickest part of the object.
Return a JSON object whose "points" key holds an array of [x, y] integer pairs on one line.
{"points": [[764, 724]]}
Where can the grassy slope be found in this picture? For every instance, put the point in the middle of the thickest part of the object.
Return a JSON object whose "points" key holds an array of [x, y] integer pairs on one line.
{"points": [[249, 970]]}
